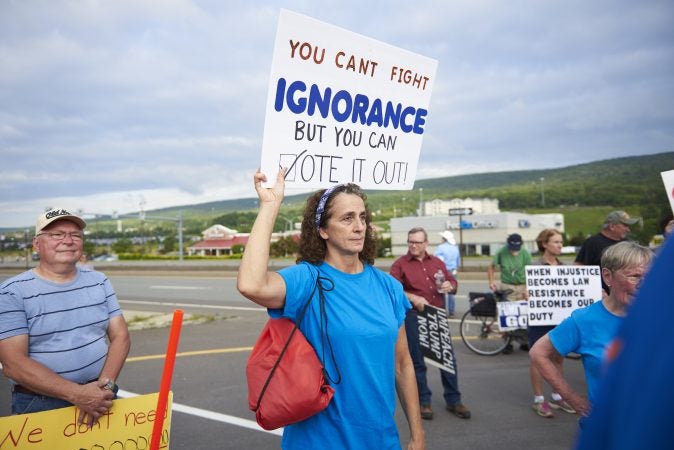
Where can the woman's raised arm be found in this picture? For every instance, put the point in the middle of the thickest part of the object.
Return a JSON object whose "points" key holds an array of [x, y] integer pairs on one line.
{"points": [[254, 280]]}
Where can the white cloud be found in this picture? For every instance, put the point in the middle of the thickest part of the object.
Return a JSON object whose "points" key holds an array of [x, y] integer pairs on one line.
{"points": [[101, 102]]}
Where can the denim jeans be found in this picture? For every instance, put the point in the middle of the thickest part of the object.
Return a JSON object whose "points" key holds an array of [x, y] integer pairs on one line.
{"points": [[30, 403], [450, 303], [450, 383]]}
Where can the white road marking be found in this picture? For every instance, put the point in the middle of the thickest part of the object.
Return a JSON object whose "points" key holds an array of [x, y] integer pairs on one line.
{"points": [[194, 305], [218, 417], [182, 288]]}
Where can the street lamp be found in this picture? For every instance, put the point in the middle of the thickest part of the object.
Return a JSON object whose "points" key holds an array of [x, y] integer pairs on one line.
{"points": [[289, 224], [25, 245], [542, 192], [421, 201]]}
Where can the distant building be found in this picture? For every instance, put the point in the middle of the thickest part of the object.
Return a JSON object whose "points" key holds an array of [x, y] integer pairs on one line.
{"points": [[218, 240], [478, 234], [438, 207]]}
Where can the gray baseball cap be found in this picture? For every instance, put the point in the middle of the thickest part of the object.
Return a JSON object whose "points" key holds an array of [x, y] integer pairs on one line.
{"points": [[620, 217]]}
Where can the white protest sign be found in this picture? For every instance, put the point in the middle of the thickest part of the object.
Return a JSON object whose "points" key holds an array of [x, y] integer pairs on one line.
{"points": [[556, 291], [512, 315], [343, 108], [668, 179]]}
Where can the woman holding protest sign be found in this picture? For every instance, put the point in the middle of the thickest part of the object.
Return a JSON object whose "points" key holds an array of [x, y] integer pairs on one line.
{"points": [[365, 308], [550, 243], [589, 330]]}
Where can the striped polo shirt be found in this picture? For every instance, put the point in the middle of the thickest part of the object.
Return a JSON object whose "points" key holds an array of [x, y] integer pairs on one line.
{"points": [[66, 322]]}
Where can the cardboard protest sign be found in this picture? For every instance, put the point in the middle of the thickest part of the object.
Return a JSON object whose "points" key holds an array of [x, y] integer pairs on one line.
{"points": [[668, 180], [512, 315], [128, 424], [343, 108], [556, 291], [434, 338]]}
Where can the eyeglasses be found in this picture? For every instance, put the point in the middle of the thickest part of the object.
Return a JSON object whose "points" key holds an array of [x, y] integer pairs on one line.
{"points": [[415, 242], [61, 235]]}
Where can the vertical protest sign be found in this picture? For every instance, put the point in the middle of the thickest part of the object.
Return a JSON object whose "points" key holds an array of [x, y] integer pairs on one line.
{"points": [[342, 107], [435, 339], [668, 180], [556, 291], [128, 424]]}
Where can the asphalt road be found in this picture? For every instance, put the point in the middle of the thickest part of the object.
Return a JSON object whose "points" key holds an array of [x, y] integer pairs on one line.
{"points": [[496, 389]]}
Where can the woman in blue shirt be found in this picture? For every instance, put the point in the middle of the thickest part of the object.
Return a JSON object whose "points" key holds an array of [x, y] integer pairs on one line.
{"points": [[366, 312], [588, 331]]}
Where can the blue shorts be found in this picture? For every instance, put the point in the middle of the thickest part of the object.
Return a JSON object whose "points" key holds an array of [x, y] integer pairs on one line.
{"points": [[537, 332]]}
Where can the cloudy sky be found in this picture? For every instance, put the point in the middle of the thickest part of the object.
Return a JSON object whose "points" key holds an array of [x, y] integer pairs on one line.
{"points": [[107, 105]]}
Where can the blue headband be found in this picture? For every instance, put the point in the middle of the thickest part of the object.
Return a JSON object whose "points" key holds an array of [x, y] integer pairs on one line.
{"points": [[320, 209]]}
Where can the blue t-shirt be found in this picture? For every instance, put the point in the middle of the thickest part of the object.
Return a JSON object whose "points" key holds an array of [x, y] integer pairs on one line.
{"points": [[633, 405], [588, 331], [364, 312], [66, 323]]}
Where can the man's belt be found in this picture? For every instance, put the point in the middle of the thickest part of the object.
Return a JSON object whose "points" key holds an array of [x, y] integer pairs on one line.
{"points": [[24, 390]]}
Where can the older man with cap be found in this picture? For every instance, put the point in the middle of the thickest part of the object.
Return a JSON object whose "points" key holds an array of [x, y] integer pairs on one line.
{"points": [[512, 259], [448, 252], [63, 339], [615, 229]]}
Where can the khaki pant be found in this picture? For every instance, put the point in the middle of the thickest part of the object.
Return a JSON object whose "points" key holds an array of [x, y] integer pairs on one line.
{"points": [[519, 291]]}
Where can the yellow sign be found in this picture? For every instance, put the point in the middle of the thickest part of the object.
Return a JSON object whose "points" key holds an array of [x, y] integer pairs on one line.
{"points": [[127, 425]]}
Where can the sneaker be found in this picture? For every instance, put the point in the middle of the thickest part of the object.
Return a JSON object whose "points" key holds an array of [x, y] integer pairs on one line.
{"points": [[543, 409], [563, 405], [459, 410], [508, 349], [426, 412]]}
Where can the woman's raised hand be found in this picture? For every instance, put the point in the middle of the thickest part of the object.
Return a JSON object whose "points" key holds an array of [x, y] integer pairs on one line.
{"points": [[273, 194]]}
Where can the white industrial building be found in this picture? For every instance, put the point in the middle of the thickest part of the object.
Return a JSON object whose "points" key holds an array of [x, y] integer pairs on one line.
{"points": [[439, 207], [479, 233]]}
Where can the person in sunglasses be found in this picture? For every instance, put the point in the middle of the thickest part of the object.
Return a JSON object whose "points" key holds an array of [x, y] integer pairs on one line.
{"points": [[63, 338]]}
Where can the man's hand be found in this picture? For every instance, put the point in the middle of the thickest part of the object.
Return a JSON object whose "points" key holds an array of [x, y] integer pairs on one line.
{"points": [[417, 301], [447, 287], [93, 401]]}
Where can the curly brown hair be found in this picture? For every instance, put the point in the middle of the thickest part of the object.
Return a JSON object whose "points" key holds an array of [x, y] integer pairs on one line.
{"points": [[312, 246]]}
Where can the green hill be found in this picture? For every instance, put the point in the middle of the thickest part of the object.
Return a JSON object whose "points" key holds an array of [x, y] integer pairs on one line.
{"points": [[584, 193]]}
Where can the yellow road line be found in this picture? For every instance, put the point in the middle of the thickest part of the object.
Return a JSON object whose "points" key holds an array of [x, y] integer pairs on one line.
{"points": [[194, 353]]}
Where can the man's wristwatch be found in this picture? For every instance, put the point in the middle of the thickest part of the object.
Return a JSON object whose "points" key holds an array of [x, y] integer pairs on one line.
{"points": [[110, 385]]}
